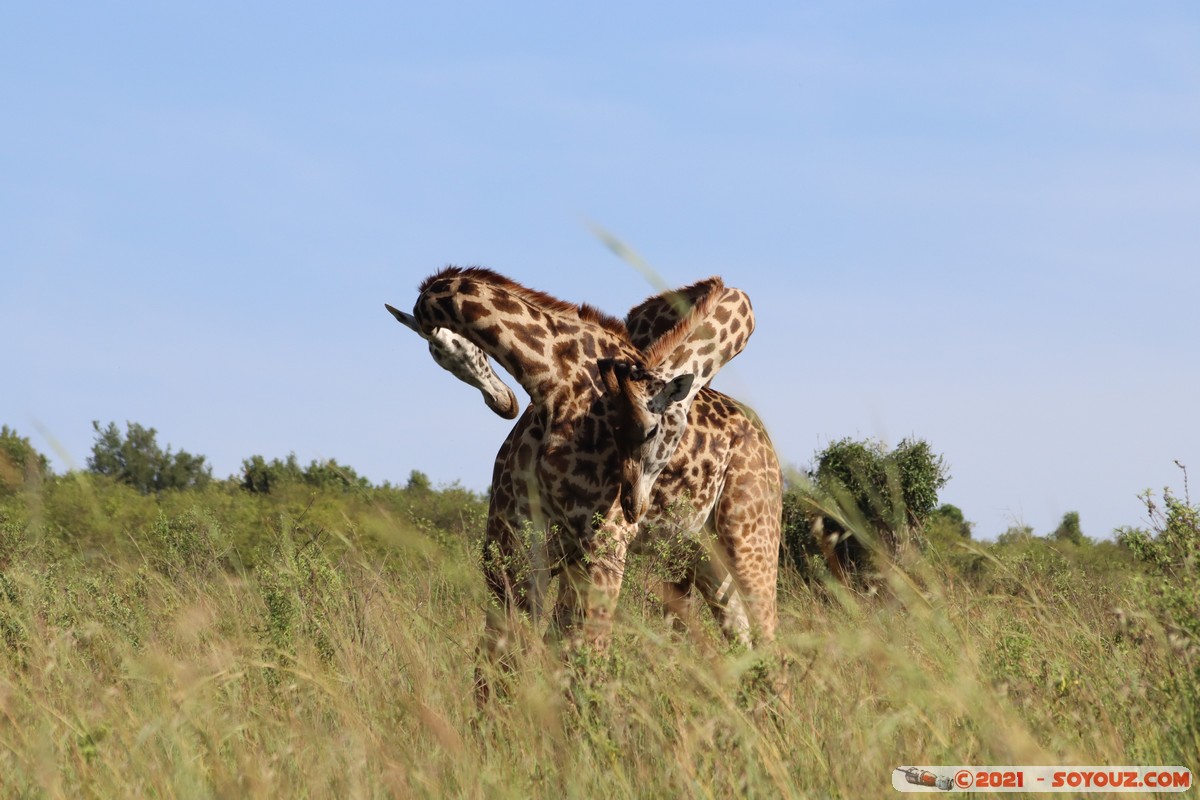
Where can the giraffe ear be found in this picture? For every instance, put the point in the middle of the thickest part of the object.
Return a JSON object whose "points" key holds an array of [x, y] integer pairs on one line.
{"points": [[408, 320], [676, 390]]}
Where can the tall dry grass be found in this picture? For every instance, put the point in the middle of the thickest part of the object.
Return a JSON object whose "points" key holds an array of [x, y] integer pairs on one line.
{"points": [[339, 663]]}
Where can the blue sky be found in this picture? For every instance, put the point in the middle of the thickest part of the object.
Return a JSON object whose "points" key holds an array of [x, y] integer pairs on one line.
{"points": [[979, 226]]}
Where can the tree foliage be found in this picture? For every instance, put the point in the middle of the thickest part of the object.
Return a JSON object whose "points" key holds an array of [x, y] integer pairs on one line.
{"points": [[418, 482], [951, 518], [137, 459], [1069, 530], [20, 463], [1016, 534], [262, 476]]}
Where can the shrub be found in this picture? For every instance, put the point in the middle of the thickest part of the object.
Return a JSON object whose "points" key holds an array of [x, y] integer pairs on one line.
{"points": [[189, 544], [1171, 552], [418, 482], [1015, 534], [1171, 549], [858, 491], [799, 546]]}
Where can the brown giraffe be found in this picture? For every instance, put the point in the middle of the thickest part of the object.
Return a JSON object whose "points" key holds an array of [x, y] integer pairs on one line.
{"points": [[724, 478], [645, 323], [563, 460]]}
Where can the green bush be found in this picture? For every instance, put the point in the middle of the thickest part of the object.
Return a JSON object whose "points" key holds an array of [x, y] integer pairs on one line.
{"points": [[889, 489], [260, 476], [860, 497], [1015, 534], [191, 543], [799, 547], [20, 464], [1171, 550], [950, 518]]}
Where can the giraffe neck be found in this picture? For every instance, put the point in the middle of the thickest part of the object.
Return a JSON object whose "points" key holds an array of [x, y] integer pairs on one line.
{"points": [[549, 347], [656, 315], [714, 331]]}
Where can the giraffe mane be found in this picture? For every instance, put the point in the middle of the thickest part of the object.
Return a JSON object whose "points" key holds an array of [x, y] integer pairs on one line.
{"points": [[664, 345], [583, 311], [678, 299]]}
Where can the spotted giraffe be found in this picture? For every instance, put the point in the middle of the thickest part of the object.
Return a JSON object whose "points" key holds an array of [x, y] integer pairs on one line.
{"points": [[561, 462], [724, 478]]}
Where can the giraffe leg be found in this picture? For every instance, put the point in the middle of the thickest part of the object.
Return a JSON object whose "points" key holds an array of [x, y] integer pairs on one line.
{"points": [[678, 560], [748, 520], [677, 603], [719, 588], [588, 591], [755, 574], [764, 683], [514, 569]]}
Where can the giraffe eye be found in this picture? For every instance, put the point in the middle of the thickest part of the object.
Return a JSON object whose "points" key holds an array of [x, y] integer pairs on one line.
{"points": [[650, 434]]}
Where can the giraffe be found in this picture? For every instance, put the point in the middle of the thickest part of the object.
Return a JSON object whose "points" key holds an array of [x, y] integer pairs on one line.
{"points": [[726, 461], [726, 473], [560, 459]]}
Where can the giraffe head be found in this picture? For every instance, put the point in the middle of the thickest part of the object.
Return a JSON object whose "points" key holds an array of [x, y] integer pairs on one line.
{"points": [[699, 329], [465, 361], [648, 417]]}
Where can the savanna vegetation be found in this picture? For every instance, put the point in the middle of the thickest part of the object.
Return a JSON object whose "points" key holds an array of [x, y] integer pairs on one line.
{"points": [[299, 631]]}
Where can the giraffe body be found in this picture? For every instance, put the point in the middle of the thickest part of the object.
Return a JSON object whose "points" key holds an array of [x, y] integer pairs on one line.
{"points": [[723, 485]]}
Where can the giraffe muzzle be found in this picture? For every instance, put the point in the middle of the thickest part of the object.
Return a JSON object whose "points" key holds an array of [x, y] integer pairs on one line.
{"points": [[506, 406], [635, 501]]}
